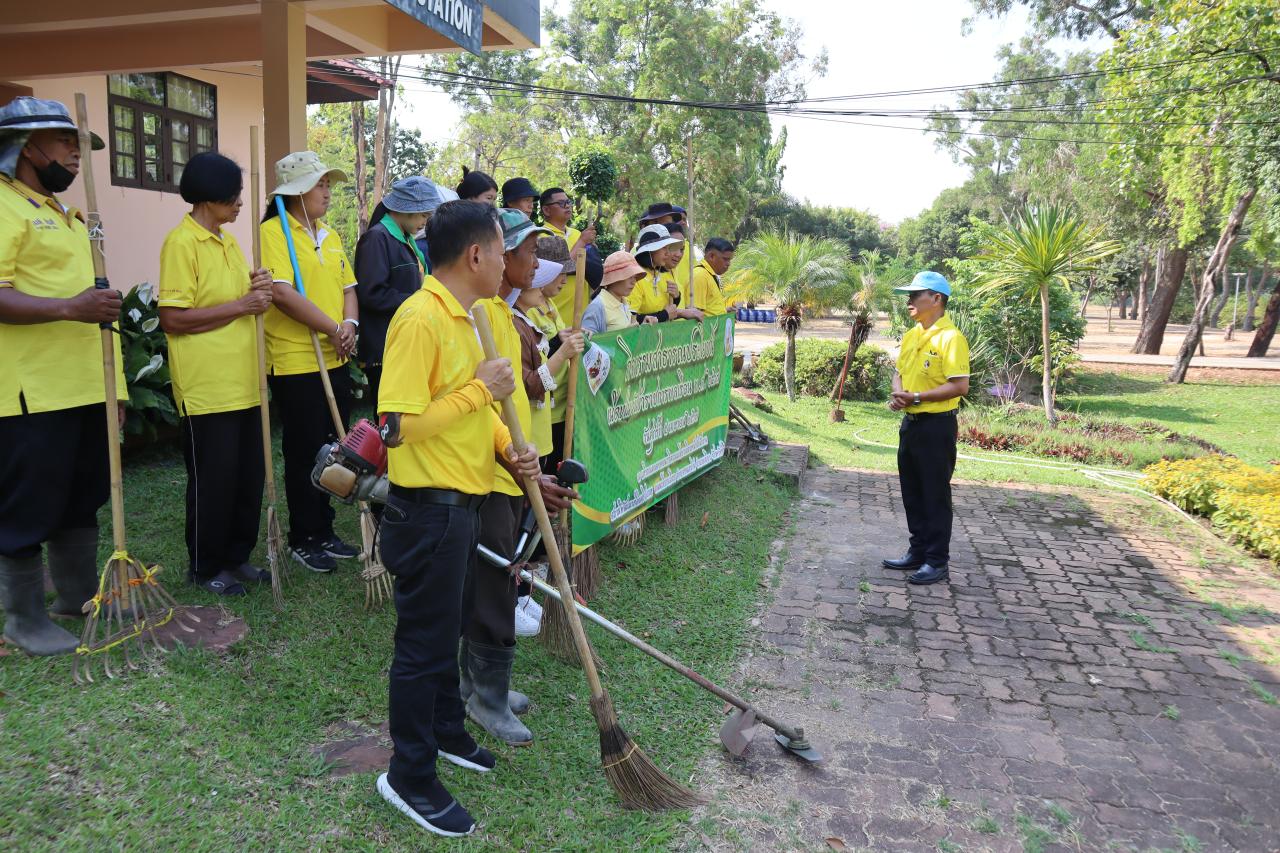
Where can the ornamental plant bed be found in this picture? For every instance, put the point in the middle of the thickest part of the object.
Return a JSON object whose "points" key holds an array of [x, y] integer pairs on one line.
{"points": [[1240, 500], [1019, 428]]}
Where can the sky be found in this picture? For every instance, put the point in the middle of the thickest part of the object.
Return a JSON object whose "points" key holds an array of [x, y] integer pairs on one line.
{"points": [[872, 47]]}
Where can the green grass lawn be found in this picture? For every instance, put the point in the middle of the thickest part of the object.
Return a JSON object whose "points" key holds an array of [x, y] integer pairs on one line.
{"points": [[198, 752], [1238, 418]]}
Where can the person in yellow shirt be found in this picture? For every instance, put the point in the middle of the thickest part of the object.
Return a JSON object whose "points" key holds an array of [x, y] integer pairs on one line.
{"points": [[444, 436], [657, 294], [53, 460], [557, 211], [932, 375], [324, 302], [707, 293], [208, 299]]}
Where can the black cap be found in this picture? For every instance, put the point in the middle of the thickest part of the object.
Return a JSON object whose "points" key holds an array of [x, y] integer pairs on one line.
{"points": [[660, 209], [516, 189]]}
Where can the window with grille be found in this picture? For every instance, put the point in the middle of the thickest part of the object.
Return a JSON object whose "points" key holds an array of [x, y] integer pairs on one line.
{"points": [[158, 122]]}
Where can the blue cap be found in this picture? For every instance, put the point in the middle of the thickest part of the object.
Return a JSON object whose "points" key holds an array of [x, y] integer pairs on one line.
{"points": [[927, 280], [417, 195]]}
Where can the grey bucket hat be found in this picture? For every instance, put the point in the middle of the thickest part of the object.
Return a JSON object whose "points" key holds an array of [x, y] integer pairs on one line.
{"points": [[417, 194], [22, 115]]}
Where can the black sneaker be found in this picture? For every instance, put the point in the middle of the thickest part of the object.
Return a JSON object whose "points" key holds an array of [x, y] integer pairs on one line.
{"points": [[335, 547], [465, 752], [314, 557], [435, 811]]}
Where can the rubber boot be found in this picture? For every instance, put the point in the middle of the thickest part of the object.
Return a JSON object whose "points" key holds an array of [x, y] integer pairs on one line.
{"points": [[26, 624], [518, 701], [73, 564], [488, 705]]}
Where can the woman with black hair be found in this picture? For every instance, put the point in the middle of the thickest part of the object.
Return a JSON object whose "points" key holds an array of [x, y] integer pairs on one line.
{"points": [[477, 186], [657, 295], [208, 299], [391, 265]]}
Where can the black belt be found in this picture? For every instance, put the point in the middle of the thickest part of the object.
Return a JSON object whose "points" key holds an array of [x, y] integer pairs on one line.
{"points": [[439, 497], [949, 413]]}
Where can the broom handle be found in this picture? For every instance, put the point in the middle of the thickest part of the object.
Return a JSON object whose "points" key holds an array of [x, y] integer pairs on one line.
{"points": [[571, 399], [255, 205], [688, 224], [97, 250], [666, 659], [540, 512], [328, 388]]}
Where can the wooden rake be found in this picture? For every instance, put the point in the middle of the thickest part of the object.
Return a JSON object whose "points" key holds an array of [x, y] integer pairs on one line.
{"points": [[130, 602], [639, 783], [277, 561]]}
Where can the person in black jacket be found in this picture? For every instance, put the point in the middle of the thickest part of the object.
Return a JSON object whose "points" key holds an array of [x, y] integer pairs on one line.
{"points": [[390, 265]]}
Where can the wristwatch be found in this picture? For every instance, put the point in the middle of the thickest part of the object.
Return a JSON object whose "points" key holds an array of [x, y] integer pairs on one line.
{"points": [[917, 402]]}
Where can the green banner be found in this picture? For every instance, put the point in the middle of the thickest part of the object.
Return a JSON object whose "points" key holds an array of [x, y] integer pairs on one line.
{"points": [[651, 414]]}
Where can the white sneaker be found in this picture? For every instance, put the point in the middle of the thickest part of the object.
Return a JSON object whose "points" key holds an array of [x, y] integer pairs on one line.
{"points": [[528, 605], [526, 624]]}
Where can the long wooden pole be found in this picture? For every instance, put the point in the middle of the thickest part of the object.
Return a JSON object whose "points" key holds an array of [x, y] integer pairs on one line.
{"points": [[108, 341], [544, 521], [688, 220], [571, 398], [255, 205]]}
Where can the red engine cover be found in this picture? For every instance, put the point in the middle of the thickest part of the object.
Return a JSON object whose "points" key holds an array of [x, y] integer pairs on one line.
{"points": [[363, 446]]}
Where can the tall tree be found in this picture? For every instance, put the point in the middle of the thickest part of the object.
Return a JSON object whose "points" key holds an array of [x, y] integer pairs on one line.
{"points": [[1074, 18]]}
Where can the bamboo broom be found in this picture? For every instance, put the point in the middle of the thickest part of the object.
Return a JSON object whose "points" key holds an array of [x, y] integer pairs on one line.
{"points": [[377, 582], [636, 779], [276, 561], [584, 571], [129, 601]]}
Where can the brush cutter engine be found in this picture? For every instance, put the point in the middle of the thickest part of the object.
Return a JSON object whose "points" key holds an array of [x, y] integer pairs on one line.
{"points": [[354, 469]]}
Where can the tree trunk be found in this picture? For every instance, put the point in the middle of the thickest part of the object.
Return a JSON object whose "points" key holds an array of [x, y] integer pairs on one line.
{"points": [[1144, 284], [838, 392], [358, 171], [1215, 313], [1216, 264], [1267, 328], [1172, 267], [789, 366], [389, 67], [1253, 296], [1088, 292], [1046, 379]]}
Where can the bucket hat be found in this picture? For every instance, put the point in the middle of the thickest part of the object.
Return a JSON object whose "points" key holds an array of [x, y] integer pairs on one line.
{"points": [[516, 228], [620, 266], [660, 209], [417, 195], [516, 189], [555, 250], [21, 116], [299, 172], [926, 280]]}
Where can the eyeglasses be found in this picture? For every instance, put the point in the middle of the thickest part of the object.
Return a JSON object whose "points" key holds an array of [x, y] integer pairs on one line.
{"points": [[564, 202]]}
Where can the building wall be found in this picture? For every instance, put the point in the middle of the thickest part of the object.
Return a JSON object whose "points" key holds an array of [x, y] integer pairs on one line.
{"points": [[136, 221]]}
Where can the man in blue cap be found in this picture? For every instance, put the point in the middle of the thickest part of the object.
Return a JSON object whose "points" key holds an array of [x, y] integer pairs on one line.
{"points": [[932, 375], [53, 448]]}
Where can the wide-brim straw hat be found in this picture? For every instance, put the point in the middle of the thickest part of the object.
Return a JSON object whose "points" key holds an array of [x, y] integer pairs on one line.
{"points": [[299, 172]]}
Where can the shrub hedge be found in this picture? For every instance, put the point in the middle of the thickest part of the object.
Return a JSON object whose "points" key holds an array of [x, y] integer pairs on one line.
{"points": [[1242, 501], [818, 364]]}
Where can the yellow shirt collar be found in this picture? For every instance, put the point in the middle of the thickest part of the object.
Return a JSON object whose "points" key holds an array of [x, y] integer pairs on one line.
{"points": [[40, 199], [437, 288]]}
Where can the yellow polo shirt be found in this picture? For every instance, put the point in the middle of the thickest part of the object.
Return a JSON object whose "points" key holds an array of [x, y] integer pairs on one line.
{"points": [[429, 369], [707, 294], [213, 371], [929, 357], [550, 322], [650, 294], [326, 275], [507, 340], [681, 275], [45, 252], [564, 299]]}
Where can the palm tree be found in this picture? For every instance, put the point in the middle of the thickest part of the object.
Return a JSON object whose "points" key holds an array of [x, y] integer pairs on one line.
{"points": [[867, 286], [1031, 251], [797, 273]]}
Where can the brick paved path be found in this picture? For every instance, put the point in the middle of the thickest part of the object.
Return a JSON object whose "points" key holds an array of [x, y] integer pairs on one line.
{"points": [[1072, 688]]}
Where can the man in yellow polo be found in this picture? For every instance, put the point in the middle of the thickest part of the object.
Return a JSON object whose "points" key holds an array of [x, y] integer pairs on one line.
{"points": [[932, 375], [53, 441], [557, 212], [445, 437], [707, 293]]}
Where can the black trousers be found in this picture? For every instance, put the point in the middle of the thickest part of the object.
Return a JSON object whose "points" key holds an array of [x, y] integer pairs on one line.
{"points": [[305, 425], [225, 475], [489, 602], [373, 373], [428, 548], [54, 475], [926, 461]]}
